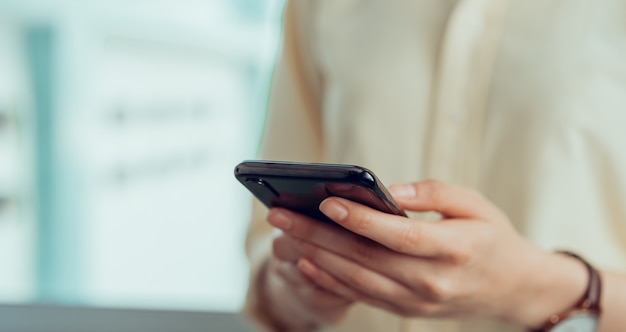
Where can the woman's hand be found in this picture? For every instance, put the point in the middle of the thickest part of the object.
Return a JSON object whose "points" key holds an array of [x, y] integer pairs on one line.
{"points": [[471, 263], [294, 301]]}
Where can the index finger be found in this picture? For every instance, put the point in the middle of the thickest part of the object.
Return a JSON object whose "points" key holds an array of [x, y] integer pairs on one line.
{"points": [[412, 237]]}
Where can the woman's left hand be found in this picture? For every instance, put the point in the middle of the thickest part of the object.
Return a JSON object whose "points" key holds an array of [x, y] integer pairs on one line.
{"points": [[471, 263]]}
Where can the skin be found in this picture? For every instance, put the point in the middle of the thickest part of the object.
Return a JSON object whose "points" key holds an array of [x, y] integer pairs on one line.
{"points": [[296, 302], [472, 263]]}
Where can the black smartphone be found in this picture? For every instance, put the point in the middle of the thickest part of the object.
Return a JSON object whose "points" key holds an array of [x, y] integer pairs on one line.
{"points": [[301, 187]]}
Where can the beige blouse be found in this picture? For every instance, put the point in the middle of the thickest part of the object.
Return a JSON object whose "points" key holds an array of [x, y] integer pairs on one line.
{"points": [[523, 100]]}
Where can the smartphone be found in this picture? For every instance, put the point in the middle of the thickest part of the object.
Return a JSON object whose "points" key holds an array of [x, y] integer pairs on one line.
{"points": [[301, 187]]}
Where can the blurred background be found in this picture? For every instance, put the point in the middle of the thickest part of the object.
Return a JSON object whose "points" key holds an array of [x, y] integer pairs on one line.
{"points": [[120, 124]]}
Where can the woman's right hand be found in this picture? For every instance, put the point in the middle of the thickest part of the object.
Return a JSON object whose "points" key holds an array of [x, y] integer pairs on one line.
{"points": [[294, 300]]}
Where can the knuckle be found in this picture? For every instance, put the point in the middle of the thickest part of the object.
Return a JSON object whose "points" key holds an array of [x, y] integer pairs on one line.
{"points": [[364, 249], [475, 193], [407, 239], [304, 229], [302, 226], [319, 299], [432, 191], [305, 293], [285, 248], [430, 186], [326, 318], [436, 192], [331, 317], [358, 280], [328, 283], [430, 183], [362, 222], [476, 196], [461, 255], [277, 247], [309, 250], [323, 299], [402, 312], [439, 291], [466, 250], [282, 270], [425, 309]]}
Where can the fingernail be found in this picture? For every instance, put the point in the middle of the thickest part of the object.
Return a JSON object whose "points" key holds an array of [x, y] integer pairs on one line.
{"points": [[333, 210], [279, 219], [402, 190], [307, 267]]}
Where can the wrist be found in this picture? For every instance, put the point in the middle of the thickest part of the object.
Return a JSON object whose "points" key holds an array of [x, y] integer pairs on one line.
{"points": [[553, 283]]}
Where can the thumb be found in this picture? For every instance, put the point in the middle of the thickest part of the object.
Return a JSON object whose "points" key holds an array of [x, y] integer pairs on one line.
{"points": [[450, 200]]}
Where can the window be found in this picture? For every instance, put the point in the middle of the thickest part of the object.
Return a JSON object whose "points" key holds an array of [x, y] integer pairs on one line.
{"points": [[121, 146]]}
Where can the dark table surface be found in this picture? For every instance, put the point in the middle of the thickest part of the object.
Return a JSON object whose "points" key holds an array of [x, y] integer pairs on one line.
{"points": [[53, 318]]}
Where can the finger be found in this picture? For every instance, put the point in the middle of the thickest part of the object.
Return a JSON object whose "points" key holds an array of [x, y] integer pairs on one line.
{"points": [[355, 247], [400, 234], [285, 248], [285, 219], [332, 316], [325, 235], [355, 280], [319, 298], [306, 289], [329, 282], [450, 200], [326, 281], [290, 273], [338, 240]]}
